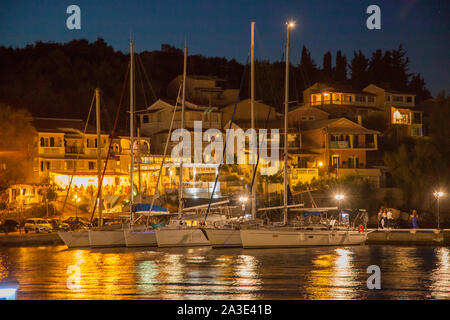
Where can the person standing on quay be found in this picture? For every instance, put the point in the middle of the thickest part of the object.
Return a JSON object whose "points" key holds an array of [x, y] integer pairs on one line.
{"points": [[390, 218], [383, 219], [415, 219], [380, 217]]}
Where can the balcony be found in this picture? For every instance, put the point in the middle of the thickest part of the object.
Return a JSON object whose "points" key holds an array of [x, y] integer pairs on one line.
{"points": [[51, 150], [367, 145], [73, 150], [346, 145], [304, 174], [339, 144], [155, 127]]}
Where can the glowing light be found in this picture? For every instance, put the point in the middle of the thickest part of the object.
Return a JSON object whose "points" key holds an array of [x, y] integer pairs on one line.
{"points": [[438, 194], [320, 164], [8, 290], [291, 24], [8, 294], [243, 199], [63, 180], [339, 196]]}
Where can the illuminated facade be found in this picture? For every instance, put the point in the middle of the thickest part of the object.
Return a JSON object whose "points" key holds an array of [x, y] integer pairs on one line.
{"points": [[340, 100], [338, 147], [400, 111]]}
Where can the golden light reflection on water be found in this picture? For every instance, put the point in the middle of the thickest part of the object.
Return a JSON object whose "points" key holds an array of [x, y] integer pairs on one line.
{"points": [[205, 273], [332, 276], [3, 268], [246, 276], [440, 277]]}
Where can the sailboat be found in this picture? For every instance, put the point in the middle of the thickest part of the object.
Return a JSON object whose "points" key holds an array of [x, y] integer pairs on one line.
{"points": [[82, 238], [184, 231], [228, 234], [113, 236], [307, 235]]}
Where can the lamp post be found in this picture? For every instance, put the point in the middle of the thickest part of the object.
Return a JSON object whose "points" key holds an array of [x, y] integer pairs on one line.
{"points": [[438, 195], [289, 25]]}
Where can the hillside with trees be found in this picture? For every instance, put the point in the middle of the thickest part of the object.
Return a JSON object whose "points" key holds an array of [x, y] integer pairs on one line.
{"points": [[58, 80]]}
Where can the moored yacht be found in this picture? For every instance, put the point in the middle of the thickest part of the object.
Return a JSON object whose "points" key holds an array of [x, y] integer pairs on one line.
{"points": [[111, 236], [300, 237], [143, 235], [186, 231], [75, 239]]}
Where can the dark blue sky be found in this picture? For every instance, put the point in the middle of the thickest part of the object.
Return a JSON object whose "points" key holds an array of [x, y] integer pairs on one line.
{"points": [[222, 28]]}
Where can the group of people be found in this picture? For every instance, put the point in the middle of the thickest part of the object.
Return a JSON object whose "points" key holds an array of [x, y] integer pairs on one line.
{"points": [[386, 219]]}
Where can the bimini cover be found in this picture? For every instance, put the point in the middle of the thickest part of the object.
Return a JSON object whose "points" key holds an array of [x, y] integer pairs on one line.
{"points": [[312, 213], [146, 207]]}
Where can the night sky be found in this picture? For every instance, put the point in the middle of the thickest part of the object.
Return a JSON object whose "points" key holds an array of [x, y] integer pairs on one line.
{"points": [[222, 28]]}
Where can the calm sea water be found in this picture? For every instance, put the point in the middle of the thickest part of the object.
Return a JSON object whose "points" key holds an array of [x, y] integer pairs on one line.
{"points": [[206, 273]]}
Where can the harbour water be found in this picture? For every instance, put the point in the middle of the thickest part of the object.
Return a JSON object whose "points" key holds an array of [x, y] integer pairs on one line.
{"points": [[51, 272]]}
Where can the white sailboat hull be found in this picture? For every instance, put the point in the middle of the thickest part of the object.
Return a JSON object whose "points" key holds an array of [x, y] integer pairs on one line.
{"points": [[75, 239], [106, 238], [224, 237], [140, 238], [188, 237], [257, 238]]}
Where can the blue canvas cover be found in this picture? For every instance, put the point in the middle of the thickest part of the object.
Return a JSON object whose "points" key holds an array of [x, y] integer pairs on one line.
{"points": [[312, 213], [146, 207]]}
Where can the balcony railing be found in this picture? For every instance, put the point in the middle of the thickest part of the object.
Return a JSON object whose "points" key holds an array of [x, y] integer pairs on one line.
{"points": [[51, 150], [346, 145], [155, 127], [73, 150], [367, 145], [339, 144]]}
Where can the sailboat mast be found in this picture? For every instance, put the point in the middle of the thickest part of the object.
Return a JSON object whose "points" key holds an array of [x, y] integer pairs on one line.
{"points": [[99, 156], [131, 127], [286, 103], [252, 107], [180, 186]]}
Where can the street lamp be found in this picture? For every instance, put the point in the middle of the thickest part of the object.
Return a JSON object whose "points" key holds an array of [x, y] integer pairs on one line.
{"points": [[438, 195], [289, 25], [77, 199], [339, 197]]}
